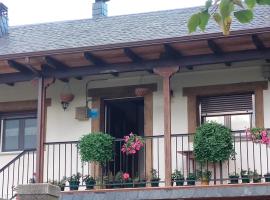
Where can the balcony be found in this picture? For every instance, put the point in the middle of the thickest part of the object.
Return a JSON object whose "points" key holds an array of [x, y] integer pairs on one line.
{"points": [[63, 159]]}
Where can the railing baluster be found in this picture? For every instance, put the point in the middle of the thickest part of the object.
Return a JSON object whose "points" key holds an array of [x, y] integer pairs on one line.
{"points": [[48, 158], [27, 176], [53, 161], [59, 162]]}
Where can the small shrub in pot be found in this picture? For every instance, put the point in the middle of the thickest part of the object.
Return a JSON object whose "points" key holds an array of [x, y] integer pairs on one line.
{"points": [[205, 177], [267, 177], [74, 181], [234, 178], [154, 178], [246, 175], [178, 178], [257, 178], [89, 181], [191, 179]]}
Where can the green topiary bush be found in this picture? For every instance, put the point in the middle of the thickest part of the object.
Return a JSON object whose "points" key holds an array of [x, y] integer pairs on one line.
{"points": [[96, 147], [213, 143]]}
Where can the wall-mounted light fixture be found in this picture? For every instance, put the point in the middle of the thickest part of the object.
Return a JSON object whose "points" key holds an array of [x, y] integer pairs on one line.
{"points": [[66, 96]]}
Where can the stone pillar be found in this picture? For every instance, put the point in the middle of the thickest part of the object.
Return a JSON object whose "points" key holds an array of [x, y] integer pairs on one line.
{"points": [[40, 191]]}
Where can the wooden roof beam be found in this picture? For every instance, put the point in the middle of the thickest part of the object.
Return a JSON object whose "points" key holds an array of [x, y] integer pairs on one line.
{"points": [[216, 49], [184, 61], [25, 69], [93, 59], [132, 56], [58, 65], [258, 42], [170, 52]]}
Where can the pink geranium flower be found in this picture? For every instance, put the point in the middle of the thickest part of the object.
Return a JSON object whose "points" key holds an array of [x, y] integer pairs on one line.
{"points": [[132, 144], [126, 176]]}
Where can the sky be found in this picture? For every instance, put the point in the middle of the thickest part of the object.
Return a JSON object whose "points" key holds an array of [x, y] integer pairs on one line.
{"points": [[39, 11]]}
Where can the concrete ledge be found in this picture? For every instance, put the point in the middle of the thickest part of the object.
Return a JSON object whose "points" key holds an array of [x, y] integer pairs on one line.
{"points": [[38, 191], [186, 192]]}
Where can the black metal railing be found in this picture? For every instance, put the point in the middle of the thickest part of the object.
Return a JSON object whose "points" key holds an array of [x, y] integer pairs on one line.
{"points": [[249, 156], [19, 170], [62, 159]]}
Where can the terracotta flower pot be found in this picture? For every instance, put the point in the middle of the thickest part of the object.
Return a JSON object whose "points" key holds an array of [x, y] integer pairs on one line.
{"points": [[140, 92], [205, 182], [67, 97]]}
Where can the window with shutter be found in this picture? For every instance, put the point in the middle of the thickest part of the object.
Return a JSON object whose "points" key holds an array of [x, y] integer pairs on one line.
{"points": [[234, 111]]}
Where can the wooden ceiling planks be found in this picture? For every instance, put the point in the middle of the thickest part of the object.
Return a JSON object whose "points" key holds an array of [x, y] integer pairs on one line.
{"points": [[145, 53]]}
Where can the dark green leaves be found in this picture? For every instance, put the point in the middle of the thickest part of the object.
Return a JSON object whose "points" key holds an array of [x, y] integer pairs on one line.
{"points": [[198, 20], [226, 7], [96, 147], [213, 143], [193, 22], [244, 16]]}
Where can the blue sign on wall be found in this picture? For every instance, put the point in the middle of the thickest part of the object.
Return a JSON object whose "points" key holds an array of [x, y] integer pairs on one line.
{"points": [[92, 113]]}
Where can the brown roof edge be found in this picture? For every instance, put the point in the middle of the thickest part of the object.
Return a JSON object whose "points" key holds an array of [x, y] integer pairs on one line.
{"points": [[137, 44]]}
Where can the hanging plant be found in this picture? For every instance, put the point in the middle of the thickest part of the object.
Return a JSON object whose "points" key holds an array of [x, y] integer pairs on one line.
{"points": [[96, 147], [259, 135], [133, 143], [213, 143]]}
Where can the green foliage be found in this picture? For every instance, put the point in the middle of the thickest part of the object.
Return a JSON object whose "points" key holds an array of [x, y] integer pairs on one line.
{"points": [[191, 176], [221, 11], [96, 147], [154, 175], [74, 178], [212, 143], [250, 3], [177, 175], [204, 175], [244, 16]]}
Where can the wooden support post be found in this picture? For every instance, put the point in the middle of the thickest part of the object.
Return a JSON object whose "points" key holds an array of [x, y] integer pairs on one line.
{"points": [[41, 125], [41, 129], [166, 74]]}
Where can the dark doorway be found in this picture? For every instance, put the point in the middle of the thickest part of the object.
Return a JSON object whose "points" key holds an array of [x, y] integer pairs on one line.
{"points": [[124, 116]]}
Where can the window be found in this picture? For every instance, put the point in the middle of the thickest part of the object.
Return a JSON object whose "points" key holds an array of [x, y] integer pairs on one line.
{"points": [[234, 111], [19, 133]]}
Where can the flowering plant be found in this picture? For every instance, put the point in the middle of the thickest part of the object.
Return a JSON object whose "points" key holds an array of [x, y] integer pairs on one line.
{"points": [[259, 135], [133, 143]]}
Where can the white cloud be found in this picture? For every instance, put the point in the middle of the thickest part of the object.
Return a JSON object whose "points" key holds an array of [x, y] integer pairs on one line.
{"points": [[38, 11]]}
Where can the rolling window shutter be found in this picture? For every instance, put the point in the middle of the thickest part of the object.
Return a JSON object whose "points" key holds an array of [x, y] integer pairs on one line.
{"points": [[226, 104]]}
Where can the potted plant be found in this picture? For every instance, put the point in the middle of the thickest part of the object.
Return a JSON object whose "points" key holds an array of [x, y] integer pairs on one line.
{"points": [[61, 183], [267, 177], [74, 181], [178, 178], [257, 178], [139, 182], [154, 178], [90, 182], [191, 179], [205, 177], [213, 143], [107, 182], [127, 181], [118, 180], [245, 176], [234, 178]]}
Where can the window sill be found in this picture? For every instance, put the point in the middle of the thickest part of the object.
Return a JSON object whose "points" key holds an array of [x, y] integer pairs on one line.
{"points": [[10, 153]]}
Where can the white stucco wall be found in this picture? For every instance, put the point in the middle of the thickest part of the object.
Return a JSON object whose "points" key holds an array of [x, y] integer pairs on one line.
{"points": [[62, 125]]}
